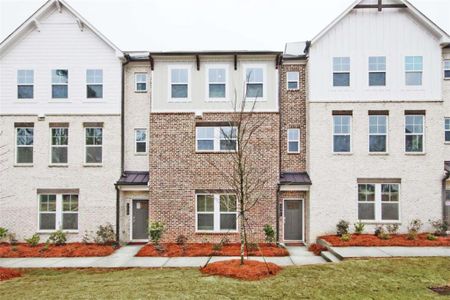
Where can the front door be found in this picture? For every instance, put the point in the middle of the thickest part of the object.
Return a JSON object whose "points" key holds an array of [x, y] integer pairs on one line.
{"points": [[140, 220], [293, 220]]}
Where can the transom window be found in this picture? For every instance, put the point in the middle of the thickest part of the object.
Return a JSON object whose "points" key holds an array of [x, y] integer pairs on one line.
{"points": [[341, 71], [216, 139], [378, 202], [447, 129], [413, 70], [217, 78], [216, 212], [94, 145], [140, 137], [94, 80], [60, 79], [25, 84], [378, 133], [58, 211], [293, 80], [342, 133], [24, 145], [179, 83], [140, 82], [254, 78], [446, 69], [293, 140], [377, 71], [414, 125], [60, 142]]}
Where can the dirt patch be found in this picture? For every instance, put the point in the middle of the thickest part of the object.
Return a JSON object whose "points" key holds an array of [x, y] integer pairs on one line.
{"points": [[206, 249], [441, 290], [68, 250], [250, 270], [6, 274], [369, 240], [316, 249]]}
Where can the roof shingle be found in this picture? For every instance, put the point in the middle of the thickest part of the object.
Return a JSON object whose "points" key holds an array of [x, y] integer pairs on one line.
{"points": [[133, 178]]}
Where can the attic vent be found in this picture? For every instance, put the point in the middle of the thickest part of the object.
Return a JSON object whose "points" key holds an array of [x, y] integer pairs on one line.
{"points": [[380, 5]]}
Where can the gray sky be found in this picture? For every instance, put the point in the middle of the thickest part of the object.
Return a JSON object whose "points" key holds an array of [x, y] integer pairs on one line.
{"points": [[164, 25]]}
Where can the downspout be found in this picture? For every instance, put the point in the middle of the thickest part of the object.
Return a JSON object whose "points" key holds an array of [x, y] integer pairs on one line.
{"points": [[444, 195], [280, 73]]}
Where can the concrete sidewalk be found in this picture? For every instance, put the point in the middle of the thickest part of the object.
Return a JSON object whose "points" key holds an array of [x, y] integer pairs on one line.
{"points": [[125, 257], [362, 252]]}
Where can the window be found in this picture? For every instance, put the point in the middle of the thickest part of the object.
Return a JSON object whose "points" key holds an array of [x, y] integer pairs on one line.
{"points": [[447, 129], [60, 140], [293, 140], [140, 137], [94, 80], [179, 83], [140, 81], [293, 80], [94, 142], [60, 79], [24, 145], [216, 212], [25, 84], [378, 202], [216, 139], [377, 71], [341, 71], [217, 83], [342, 133], [254, 78], [414, 125], [58, 211], [378, 133], [446, 69], [413, 70]]}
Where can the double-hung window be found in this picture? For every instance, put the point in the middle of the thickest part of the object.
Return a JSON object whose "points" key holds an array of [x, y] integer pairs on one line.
{"points": [[293, 81], [58, 211], [60, 80], [94, 81], [379, 202], [414, 133], [25, 84], [293, 140], [413, 70], [447, 129], [216, 139], [254, 87], [179, 84], [24, 145], [216, 212], [94, 145], [378, 126], [341, 71], [217, 83], [342, 128], [59, 145], [69, 212], [377, 71], [447, 69], [140, 138], [140, 82]]}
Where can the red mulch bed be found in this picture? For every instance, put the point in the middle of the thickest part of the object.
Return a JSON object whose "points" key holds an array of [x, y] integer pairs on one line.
{"points": [[206, 249], [369, 240], [251, 270], [316, 249], [68, 250], [6, 274]]}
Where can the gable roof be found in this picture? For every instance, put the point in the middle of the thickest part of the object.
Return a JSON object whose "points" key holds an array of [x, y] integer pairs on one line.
{"points": [[445, 39], [47, 6]]}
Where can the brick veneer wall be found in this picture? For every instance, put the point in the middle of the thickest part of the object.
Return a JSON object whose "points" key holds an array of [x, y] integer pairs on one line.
{"points": [[177, 171]]}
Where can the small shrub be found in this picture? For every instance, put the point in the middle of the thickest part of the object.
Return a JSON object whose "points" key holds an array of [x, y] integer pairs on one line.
{"points": [[45, 248], [217, 247], [105, 235], [3, 233], [252, 247], [392, 228], [359, 227], [342, 227], [316, 249], [160, 248], [431, 237], [12, 238], [381, 232], [225, 241], [58, 238], [181, 240], [14, 248], [346, 237], [33, 241], [414, 228], [269, 233], [156, 231], [440, 227]]}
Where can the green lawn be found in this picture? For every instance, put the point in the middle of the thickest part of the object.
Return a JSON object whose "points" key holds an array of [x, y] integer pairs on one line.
{"points": [[356, 279]]}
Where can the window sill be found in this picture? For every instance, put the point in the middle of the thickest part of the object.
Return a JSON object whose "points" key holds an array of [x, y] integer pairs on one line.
{"points": [[25, 101], [370, 222], [23, 165], [379, 153], [141, 154], [52, 231], [293, 153], [63, 100], [215, 152], [217, 100], [293, 90], [446, 143], [94, 100], [58, 166], [415, 153], [253, 99], [182, 100], [92, 165], [141, 92], [342, 153], [217, 232]]}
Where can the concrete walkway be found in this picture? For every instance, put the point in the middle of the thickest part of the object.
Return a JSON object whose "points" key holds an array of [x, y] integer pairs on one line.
{"points": [[125, 257], [362, 252]]}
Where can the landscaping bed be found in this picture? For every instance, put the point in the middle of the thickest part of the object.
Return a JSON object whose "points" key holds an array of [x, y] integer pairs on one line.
{"points": [[250, 270], [209, 249], [6, 274], [400, 240], [67, 250]]}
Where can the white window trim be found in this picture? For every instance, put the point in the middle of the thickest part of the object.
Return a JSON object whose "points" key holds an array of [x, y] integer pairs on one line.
{"points": [[378, 203], [217, 139], [446, 69], [58, 214], [350, 134], [136, 141], [59, 146], [52, 84], [446, 130], [379, 134], [136, 82], [216, 214], [423, 137], [217, 66], [91, 146], [297, 140], [264, 82], [94, 83], [341, 72], [18, 84], [378, 71], [169, 80], [415, 86], [22, 146], [297, 81]]}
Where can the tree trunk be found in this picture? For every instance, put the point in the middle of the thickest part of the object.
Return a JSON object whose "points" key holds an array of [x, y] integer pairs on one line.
{"points": [[242, 235]]}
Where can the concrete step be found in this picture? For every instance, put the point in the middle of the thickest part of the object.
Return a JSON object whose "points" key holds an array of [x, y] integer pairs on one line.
{"points": [[330, 257]]}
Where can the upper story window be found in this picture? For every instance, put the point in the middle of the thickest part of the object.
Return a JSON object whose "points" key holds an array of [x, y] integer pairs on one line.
{"points": [[447, 129], [378, 202], [413, 70], [341, 71], [342, 133], [446, 69], [25, 84], [293, 81], [58, 211], [293, 140], [377, 71], [414, 133], [216, 139], [140, 82], [217, 78], [59, 145], [60, 80], [94, 145], [94, 81], [254, 78], [179, 83], [216, 212], [140, 138], [24, 145], [378, 133]]}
